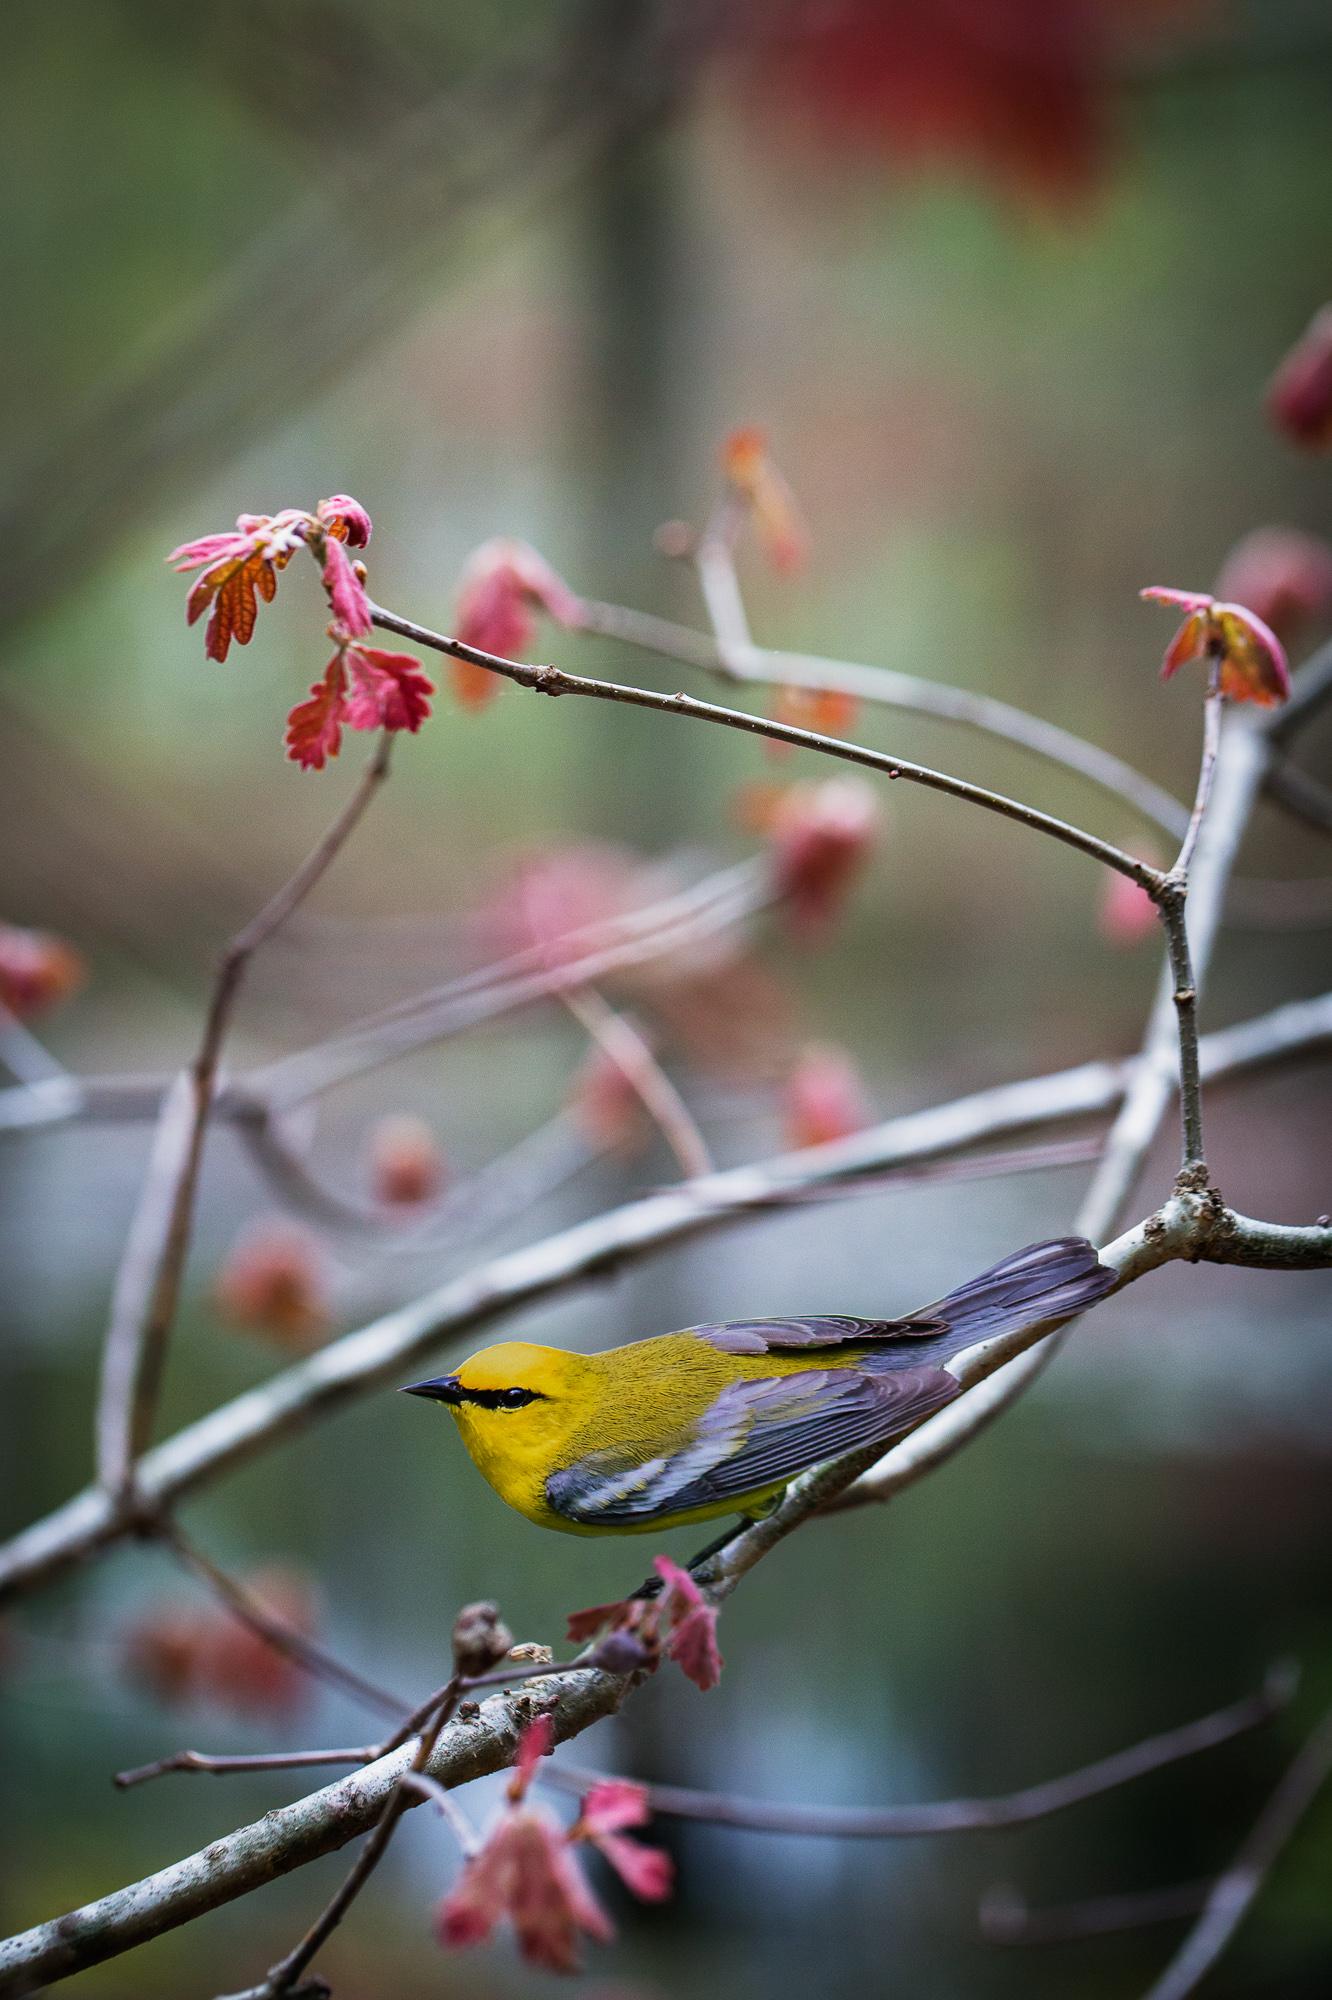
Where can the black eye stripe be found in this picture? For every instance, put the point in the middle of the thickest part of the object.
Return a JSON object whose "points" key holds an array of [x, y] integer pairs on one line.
{"points": [[500, 1399]]}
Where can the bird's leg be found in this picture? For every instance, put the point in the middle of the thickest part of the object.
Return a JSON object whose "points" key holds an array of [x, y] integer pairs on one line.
{"points": [[652, 1586]]}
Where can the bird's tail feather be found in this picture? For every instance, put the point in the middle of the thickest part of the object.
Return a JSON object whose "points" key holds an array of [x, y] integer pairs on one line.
{"points": [[1051, 1280]]}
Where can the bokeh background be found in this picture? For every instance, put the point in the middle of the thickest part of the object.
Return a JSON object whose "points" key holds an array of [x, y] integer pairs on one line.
{"points": [[1003, 285]]}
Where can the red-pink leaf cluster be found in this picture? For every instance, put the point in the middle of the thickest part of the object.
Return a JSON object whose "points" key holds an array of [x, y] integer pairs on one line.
{"points": [[678, 1621], [504, 583], [188, 1653], [824, 1098], [37, 971], [1251, 658], [527, 1869], [362, 687]]}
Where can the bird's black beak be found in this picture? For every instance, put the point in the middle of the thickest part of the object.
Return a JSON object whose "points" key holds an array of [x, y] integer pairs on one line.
{"points": [[443, 1389]]}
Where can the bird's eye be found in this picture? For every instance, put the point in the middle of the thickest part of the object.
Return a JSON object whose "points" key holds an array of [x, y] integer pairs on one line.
{"points": [[514, 1399]]}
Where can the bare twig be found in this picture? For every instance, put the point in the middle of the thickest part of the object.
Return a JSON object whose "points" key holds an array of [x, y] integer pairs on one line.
{"points": [[284, 1975], [1300, 795], [148, 1283], [292, 1835], [966, 1815], [551, 680], [717, 904], [1006, 1918], [621, 1042], [888, 687], [1233, 1892], [1240, 763], [366, 1360], [275, 1632]]}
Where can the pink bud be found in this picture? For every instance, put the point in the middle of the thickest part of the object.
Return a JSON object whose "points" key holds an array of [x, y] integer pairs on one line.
{"points": [[1299, 396], [406, 1164], [1283, 576], [822, 835], [824, 1098], [275, 1280]]}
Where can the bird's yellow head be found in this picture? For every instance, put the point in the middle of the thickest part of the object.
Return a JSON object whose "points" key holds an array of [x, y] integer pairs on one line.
{"points": [[514, 1404]]}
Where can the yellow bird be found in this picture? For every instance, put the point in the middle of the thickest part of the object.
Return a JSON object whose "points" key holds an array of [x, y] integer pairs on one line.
{"points": [[717, 1419]]}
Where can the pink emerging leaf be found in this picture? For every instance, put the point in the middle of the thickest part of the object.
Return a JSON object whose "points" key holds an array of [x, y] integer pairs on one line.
{"points": [[346, 592], [314, 727], [1251, 659], [346, 518], [389, 690], [537, 1741], [693, 1647], [525, 1871], [503, 583]]}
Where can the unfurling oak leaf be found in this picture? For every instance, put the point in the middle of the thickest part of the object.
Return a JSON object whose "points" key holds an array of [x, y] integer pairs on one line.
{"points": [[183, 1653], [755, 479], [314, 727], [608, 1809], [388, 690], [1251, 659], [346, 592], [346, 519], [504, 583], [37, 970], [1299, 396], [237, 569], [362, 687]]}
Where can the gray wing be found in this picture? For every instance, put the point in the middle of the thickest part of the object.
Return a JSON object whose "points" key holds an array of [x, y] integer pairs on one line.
{"points": [[755, 1434], [767, 1336]]}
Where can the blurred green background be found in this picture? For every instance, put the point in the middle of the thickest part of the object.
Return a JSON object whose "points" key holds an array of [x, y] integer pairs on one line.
{"points": [[512, 269]]}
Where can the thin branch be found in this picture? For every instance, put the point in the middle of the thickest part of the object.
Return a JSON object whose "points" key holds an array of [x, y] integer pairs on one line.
{"points": [[718, 902], [551, 680], [965, 1815], [1300, 795], [275, 1632], [889, 688], [1233, 1892], [284, 1975], [1213, 708], [1241, 760], [621, 1042], [724, 901], [148, 1283], [292, 1835], [1005, 1917], [374, 1356], [228, 1766]]}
